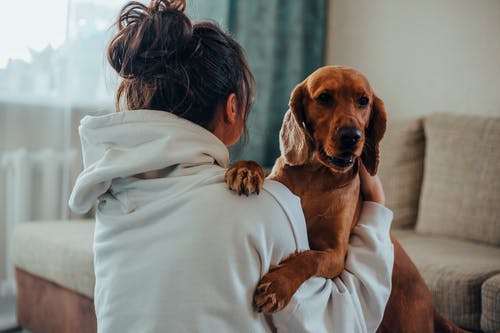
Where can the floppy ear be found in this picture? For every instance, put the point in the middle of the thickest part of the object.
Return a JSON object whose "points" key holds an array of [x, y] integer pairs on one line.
{"points": [[373, 134], [294, 145]]}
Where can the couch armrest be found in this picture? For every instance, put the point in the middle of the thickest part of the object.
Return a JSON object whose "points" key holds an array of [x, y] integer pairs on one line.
{"points": [[490, 304]]}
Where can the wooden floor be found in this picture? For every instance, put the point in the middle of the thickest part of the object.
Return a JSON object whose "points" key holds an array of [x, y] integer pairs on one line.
{"points": [[14, 330]]}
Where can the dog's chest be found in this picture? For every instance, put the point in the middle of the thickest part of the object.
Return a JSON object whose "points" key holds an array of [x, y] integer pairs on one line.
{"points": [[332, 205], [325, 197]]}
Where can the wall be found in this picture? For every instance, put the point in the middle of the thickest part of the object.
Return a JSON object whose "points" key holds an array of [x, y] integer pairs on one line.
{"points": [[421, 56]]}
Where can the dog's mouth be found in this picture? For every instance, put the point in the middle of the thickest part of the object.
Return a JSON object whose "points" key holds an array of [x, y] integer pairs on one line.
{"points": [[341, 161]]}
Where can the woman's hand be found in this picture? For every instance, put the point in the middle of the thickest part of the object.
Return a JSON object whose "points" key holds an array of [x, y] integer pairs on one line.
{"points": [[371, 186]]}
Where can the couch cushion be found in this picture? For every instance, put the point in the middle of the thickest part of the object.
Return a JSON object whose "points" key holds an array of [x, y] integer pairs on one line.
{"points": [[401, 169], [455, 271], [490, 303], [60, 252], [461, 187]]}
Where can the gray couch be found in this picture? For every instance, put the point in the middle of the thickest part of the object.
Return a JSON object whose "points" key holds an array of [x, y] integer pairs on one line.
{"points": [[441, 175]]}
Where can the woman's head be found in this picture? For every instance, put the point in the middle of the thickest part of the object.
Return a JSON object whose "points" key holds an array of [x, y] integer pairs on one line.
{"points": [[167, 63]]}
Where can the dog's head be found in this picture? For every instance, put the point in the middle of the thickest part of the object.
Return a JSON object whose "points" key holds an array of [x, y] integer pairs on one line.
{"points": [[335, 118]]}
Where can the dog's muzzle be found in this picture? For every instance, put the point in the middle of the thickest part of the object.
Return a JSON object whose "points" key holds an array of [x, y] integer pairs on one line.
{"points": [[341, 161], [348, 137]]}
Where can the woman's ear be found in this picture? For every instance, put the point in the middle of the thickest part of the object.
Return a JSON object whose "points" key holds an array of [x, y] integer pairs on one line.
{"points": [[228, 122], [231, 109], [373, 134], [294, 144]]}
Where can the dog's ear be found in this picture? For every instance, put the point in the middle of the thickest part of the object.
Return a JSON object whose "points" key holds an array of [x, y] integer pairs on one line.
{"points": [[373, 134], [294, 143]]}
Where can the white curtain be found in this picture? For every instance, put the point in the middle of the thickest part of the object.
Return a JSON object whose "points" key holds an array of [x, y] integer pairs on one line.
{"points": [[53, 71]]}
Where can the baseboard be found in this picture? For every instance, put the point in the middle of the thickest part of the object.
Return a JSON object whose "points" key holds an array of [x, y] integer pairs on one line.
{"points": [[8, 318]]}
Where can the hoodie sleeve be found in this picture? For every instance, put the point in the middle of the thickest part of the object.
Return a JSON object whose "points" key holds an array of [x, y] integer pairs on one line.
{"points": [[355, 301]]}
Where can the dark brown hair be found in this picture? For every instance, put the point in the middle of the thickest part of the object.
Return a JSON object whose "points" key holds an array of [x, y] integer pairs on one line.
{"points": [[167, 63]]}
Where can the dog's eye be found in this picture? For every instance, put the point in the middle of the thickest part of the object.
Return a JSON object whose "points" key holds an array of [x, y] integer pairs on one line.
{"points": [[363, 101], [325, 98]]}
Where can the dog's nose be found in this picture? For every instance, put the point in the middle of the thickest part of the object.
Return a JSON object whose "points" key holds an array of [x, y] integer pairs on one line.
{"points": [[349, 136]]}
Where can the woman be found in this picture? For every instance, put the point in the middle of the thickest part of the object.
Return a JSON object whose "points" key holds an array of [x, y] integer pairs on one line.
{"points": [[175, 250]]}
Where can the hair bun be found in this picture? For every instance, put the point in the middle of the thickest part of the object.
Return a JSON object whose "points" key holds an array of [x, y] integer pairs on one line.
{"points": [[150, 38], [160, 5]]}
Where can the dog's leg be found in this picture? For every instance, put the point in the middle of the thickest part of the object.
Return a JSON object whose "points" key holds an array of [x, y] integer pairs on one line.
{"points": [[277, 287]]}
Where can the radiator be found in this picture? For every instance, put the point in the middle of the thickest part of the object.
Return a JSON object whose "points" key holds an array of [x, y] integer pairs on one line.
{"points": [[36, 186]]}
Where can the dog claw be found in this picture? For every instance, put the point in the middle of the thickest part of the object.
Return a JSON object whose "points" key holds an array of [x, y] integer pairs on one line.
{"points": [[269, 304], [263, 299], [275, 289], [262, 287], [266, 303], [268, 308]]}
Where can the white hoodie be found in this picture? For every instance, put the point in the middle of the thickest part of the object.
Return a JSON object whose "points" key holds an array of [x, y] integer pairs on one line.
{"points": [[182, 253]]}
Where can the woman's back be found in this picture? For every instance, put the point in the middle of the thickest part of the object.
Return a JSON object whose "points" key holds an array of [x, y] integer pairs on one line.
{"points": [[180, 251]]}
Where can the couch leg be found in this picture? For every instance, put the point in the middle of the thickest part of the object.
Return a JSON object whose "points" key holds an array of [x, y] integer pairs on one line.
{"points": [[45, 307]]}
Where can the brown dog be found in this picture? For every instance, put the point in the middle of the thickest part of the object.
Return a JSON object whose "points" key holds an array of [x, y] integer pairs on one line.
{"points": [[335, 120]]}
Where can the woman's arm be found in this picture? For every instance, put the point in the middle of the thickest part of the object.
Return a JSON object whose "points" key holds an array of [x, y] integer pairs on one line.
{"points": [[355, 301]]}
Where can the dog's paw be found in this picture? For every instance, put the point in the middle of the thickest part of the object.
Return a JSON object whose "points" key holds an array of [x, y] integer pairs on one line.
{"points": [[274, 291], [245, 177]]}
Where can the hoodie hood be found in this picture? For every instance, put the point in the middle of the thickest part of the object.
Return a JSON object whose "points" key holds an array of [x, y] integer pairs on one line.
{"points": [[127, 143]]}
